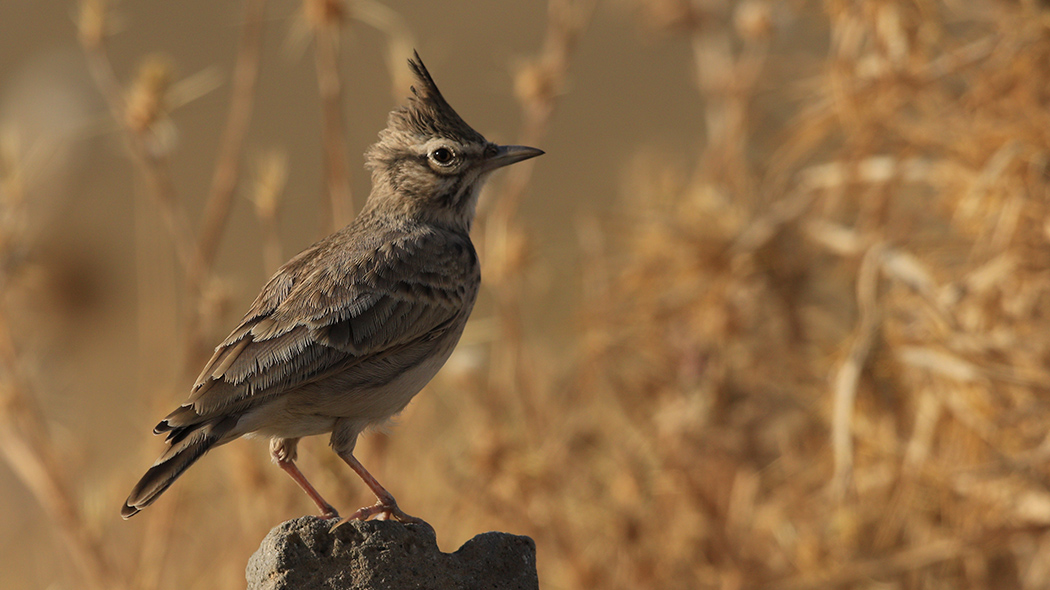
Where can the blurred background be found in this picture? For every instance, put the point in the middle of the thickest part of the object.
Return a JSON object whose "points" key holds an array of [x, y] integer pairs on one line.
{"points": [[772, 312]]}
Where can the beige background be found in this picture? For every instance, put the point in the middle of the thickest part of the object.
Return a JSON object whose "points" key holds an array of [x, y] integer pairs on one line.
{"points": [[785, 295]]}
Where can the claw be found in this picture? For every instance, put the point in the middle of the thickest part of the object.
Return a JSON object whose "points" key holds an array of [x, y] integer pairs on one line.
{"points": [[380, 511]]}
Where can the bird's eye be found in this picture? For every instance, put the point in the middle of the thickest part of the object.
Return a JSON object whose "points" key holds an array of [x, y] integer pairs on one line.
{"points": [[443, 156]]}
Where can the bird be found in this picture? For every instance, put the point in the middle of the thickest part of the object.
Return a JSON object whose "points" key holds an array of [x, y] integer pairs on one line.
{"points": [[347, 332]]}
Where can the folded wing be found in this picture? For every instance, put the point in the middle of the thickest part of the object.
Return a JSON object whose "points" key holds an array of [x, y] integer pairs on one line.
{"points": [[315, 318]]}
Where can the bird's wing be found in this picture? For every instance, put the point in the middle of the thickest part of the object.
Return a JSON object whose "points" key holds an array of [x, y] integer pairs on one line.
{"points": [[318, 316]]}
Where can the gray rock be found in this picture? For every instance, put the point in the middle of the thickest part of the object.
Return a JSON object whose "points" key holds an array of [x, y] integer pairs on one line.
{"points": [[303, 554]]}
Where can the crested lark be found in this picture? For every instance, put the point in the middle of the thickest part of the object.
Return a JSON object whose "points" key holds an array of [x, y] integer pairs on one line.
{"points": [[347, 332]]}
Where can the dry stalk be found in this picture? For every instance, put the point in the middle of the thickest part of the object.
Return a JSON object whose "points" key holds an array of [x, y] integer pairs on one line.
{"points": [[231, 144], [400, 41], [538, 87], [906, 560], [140, 115], [909, 559], [25, 440], [848, 375], [325, 18], [157, 544], [726, 79], [138, 125], [26, 445], [270, 178]]}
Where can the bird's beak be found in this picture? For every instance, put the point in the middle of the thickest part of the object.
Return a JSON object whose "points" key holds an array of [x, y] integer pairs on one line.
{"points": [[509, 154]]}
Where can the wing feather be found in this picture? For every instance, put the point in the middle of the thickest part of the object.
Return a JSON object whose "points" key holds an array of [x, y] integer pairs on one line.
{"points": [[328, 311]]}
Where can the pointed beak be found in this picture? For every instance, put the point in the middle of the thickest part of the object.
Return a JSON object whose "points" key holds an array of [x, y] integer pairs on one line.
{"points": [[506, 155]]}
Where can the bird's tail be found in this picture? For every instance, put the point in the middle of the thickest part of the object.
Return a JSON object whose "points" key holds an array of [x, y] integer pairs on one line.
{"points": [[186, 445]]}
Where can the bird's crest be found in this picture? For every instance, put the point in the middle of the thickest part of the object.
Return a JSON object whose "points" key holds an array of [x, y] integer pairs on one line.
{"points": [[427, 114]]}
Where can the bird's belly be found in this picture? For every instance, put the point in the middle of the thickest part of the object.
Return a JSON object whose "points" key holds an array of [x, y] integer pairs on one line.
{"points": [[273, 423], [315, 408], [378, 403]]}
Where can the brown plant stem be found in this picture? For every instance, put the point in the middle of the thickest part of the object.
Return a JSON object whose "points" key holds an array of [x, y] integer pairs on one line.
{"points": [[27, 447], [566, 21], [152, 167], [847, 377], [539, 87], [231, 144], [326, 17]]}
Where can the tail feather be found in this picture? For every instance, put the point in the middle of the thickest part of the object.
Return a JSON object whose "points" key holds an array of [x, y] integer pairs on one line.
{"points": [[190, 444], [182, 417]]}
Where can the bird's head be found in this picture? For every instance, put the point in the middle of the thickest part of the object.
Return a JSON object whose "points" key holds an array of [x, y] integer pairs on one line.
{"points": [[429, 162]]}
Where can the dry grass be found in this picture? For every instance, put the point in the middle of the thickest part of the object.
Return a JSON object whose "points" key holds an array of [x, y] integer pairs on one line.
{"points": [[815, 357]]}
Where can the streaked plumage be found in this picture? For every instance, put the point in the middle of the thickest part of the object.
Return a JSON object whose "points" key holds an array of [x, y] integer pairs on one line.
{"points": [[347, 332]]}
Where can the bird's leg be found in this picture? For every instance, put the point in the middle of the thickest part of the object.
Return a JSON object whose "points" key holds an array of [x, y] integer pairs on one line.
{"points": [[283, 452], [386, 507], [327, 511]]}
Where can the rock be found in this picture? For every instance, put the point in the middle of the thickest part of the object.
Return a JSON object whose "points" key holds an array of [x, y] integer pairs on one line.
{"points": [[303, 554]]}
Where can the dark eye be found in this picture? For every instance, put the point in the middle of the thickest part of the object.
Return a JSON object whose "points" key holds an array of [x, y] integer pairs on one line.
{"points": [[443, 156]]}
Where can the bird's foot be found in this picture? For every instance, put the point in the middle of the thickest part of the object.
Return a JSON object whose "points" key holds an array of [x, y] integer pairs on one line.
{"points": [[383, 511], [380, 511]]}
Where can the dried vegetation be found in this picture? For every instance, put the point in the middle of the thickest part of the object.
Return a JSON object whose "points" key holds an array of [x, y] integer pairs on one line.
{"points": [[817, 358]]}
